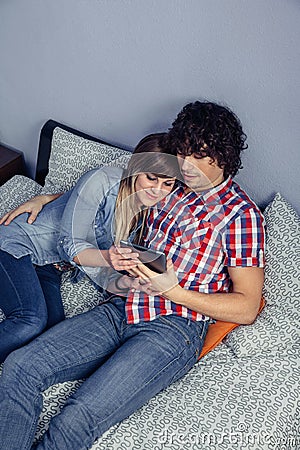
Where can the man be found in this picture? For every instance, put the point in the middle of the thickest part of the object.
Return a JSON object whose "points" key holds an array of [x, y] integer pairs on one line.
{"points": [[130, 349], [218, 252]]}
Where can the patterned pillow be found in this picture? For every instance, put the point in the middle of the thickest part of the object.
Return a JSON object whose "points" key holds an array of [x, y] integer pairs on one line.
{"points": [[71, 156], [282, 254], [16, 191], [277, 327]]}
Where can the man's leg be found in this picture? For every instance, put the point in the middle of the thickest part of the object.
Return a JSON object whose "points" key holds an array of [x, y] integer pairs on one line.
{"points": [[70, 350], [152, 356], [22, 302]]}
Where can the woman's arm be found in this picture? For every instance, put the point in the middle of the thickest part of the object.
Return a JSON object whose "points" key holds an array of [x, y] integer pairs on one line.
{"points": [[82, 220], [92, 257], [32, 206]]}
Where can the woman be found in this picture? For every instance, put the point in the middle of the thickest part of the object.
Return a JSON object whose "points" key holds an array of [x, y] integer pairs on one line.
{"points": [[32, 256]]}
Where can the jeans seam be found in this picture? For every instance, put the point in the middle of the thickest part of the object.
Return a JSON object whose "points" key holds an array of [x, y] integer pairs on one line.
{"points": [[34, 424], [11, 282], [192, 358], [204, 329]]}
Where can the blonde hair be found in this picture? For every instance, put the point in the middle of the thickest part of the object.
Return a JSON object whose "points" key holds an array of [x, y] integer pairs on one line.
{"points": [[127, 215], [148, 157]]}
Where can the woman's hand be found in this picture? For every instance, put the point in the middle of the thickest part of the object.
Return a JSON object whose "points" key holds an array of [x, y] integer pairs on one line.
{"points": [[32, 206], [153, 283], [122, 258]]}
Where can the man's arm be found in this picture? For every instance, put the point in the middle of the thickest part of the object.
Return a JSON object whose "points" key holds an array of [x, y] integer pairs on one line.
{"points": [[241, 305]]}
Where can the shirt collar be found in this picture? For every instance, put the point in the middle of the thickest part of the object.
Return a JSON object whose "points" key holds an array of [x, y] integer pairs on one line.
{"points": [[215, 194], [210, 196]]}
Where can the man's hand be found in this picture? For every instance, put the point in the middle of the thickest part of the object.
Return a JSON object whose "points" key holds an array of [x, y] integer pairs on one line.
{"points": [[153, 283], [32, 206]]}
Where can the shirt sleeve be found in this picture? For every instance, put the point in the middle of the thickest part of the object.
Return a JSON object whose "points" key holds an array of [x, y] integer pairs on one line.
{"points": [[244, 240], [77, 231]]}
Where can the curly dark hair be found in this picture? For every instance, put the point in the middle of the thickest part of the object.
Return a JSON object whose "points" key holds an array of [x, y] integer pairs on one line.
{"points": [[208, 129]]}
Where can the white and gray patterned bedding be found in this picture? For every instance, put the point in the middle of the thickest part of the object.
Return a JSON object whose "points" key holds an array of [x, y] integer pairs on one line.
{"points": [[242, 395]]}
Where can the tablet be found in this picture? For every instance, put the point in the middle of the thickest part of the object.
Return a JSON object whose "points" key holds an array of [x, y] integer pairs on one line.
{"points": [[153, 259]]}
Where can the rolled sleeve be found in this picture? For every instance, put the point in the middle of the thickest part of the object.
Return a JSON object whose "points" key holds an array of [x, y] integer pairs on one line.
{"points": [[244, 241]]}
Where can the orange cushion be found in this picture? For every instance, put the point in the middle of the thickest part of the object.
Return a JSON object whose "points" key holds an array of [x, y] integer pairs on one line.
{"points": [[218, 330]]}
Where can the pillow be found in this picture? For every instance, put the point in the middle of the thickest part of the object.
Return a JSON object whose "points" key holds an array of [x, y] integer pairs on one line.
{"points": [[282, 254], [71, 156], [277, 327], [218, 331], [16, 191], [215, 334]]}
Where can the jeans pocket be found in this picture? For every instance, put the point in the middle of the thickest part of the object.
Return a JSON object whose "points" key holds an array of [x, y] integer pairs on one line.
{"points": [[174, 322]]}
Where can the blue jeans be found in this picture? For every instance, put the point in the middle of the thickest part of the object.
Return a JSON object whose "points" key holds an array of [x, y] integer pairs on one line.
{"points": [[30, 299], [125, 365]]}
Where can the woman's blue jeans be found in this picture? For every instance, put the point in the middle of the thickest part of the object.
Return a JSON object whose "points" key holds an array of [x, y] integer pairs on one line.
{"points": [[125, 365], [30, 299]]}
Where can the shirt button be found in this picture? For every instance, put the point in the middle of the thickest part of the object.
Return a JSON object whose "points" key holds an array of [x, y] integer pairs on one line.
{"points": [[170, 216], [46, 262]]}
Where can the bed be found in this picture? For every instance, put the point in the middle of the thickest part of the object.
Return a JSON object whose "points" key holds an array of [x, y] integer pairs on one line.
{"points": [[243, 394]]}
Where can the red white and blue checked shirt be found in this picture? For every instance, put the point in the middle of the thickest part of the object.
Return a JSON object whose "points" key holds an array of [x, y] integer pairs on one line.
{"points": [[203, 234]]}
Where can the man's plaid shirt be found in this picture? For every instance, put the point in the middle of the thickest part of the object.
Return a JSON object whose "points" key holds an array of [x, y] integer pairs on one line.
{"points": [[203, 234]]}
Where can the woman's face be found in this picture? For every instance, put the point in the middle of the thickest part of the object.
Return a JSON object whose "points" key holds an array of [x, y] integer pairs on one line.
{"points": [[150, 189]]}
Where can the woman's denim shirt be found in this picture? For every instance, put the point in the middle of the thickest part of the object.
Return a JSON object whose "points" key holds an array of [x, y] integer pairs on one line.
{"points": [[88, 219], [81, 218]]}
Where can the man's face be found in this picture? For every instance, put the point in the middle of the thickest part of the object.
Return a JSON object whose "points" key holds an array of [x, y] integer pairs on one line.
{"points": [[200, 173]]}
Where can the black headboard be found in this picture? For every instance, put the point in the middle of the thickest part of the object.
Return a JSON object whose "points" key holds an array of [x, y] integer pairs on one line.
{"points": [[45, 146]]}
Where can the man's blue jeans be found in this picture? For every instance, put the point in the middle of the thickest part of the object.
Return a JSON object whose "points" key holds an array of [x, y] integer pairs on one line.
{"points": [[30, 299], [125, 365]]}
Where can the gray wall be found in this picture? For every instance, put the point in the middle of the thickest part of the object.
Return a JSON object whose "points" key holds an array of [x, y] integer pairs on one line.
{"points": [[120, 69]]}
